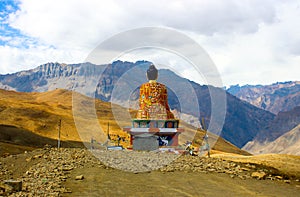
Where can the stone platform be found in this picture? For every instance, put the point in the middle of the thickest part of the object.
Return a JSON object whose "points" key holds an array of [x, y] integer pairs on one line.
{"points": [[166, 136]]}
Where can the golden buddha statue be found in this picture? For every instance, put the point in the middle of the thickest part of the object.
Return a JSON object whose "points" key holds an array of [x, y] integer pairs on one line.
{"points": [[153, 101], [154, 116]]}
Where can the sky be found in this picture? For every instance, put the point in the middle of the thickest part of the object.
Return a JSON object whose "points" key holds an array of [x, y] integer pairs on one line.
{"points": [[249, 41]]}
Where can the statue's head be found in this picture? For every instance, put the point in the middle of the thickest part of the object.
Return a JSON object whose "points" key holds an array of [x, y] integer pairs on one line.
{"points": [[152, 72]]}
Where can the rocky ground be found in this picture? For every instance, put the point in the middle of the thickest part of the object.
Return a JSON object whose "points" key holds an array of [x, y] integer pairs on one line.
{"points": [[44, 172]]}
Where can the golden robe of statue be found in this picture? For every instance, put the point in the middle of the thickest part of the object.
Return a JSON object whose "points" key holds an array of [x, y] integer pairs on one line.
{"points": [[153, 99]]}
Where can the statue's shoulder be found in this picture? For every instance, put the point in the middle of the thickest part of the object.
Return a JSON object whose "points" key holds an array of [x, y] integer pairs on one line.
{"points": [[145, 84], [156, 84], [161, 85]]}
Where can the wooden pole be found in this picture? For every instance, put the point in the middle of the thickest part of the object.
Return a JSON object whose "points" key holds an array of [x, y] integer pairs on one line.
{"points": [[206, 138], [108, 127], [58, 140], [108, 136]]}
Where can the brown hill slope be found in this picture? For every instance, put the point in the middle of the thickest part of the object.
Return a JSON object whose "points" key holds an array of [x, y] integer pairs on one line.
{"points": [[14, 140], [280, 136], [288, 143], [39, 113]]}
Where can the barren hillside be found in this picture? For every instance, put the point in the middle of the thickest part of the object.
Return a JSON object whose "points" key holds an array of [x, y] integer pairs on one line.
{"points": [[39, 114]]}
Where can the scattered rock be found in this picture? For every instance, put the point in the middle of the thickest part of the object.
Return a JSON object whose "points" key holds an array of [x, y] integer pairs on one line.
{"points": [[258, 175], [287, 181], [67, 191], [270, 178], [28, 159], [245, 169], [5, 155], [45, 178], [6, 189], [79, 177], [279, 177], [14, 184], [67, 168], [37, 156]]}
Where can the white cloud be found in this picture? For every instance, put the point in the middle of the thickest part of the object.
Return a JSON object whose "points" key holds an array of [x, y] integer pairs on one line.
{"points": [[269, 55], [246, 39], [66, 24], [14, 59]]}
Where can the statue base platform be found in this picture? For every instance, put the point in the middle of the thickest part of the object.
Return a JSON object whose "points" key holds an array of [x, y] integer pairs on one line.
{"points": [[165, 136]]}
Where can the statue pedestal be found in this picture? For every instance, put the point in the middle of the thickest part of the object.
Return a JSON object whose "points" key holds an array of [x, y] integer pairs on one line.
{"points": [[166, 136]]}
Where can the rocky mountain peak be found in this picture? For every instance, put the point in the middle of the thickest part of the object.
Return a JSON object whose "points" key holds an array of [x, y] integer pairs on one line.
{"points": [[280, 96]]}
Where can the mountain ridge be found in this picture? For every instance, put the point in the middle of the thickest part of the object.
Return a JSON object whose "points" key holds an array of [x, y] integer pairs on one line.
{"points": [[280, 96]]}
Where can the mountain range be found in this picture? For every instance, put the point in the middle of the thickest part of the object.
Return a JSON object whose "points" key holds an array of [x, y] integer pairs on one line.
{"points": [[242, 120], [283, 99], [280, 96]]}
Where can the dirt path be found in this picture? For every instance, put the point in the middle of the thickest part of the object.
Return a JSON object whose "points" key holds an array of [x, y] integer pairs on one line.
{"points": [[110, 182]]}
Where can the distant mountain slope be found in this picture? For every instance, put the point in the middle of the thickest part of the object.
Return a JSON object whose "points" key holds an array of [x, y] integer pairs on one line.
{"points": [[32, 119], [273, 137], [242, 121], [283, 122], [288, 143], [274, 98]]}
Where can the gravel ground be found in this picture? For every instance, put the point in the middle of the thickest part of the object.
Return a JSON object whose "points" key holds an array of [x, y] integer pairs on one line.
{"points": [[44, 171]]}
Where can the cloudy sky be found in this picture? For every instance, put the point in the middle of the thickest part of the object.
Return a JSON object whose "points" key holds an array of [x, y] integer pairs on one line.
{"points": [[250, 42]]}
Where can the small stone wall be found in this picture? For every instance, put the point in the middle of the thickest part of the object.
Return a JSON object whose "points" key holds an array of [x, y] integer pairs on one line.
{"points": [[145, 142]]}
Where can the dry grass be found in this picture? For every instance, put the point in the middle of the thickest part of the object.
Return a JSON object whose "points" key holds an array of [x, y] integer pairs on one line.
{"points": [[287, 164]]}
